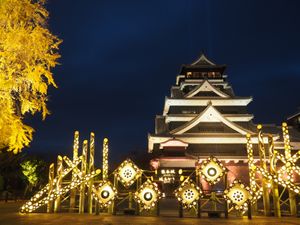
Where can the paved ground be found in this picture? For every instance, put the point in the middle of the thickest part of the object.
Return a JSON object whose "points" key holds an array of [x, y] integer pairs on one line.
{"points": [[10, 216]]}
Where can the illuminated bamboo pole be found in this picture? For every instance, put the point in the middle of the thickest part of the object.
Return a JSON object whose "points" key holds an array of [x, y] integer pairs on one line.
{"points": [[105, 167], [252, 169], [114, 203], [59, 171], [251, 164], [51, 178], [105, 159], [275, 191], [75, 157], [91, 169], [288, 155], [83, 172], [262, 157]]}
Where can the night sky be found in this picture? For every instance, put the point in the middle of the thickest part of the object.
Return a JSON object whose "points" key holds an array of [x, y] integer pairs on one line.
{"points": [[120, 58]]}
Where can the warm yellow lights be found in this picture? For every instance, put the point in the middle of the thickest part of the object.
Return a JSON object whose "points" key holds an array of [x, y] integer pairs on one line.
{"points": [[237, 195], [212, 170], [147, 195], [105, 159], [282, 168], [188, 194], [35, 202], [106, 193], [127, 173], [252, 170]]}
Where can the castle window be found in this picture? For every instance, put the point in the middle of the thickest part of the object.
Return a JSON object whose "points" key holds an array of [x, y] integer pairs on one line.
{"points": [[188, 111]]}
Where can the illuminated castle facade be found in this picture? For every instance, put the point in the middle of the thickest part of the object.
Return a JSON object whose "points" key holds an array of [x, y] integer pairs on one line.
{"points": [[204, 117]]}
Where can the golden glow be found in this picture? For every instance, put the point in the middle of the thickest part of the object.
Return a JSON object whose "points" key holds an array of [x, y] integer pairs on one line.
{"points": [[127, 173], [282, 176], [212, 170], [237, 195], [28, 54], [106, 193], [29, 170], [105, 159], [43, 197], [56, 189], [75, 145], [252, 170], [180, 171], [147, 195], [188, 193]]}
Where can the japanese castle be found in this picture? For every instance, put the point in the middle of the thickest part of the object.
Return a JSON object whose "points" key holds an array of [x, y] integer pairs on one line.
{"points": [[204, 117]]}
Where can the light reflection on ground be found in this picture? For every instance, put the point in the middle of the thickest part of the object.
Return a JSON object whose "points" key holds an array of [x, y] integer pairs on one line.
{"points": [[10, 216]]}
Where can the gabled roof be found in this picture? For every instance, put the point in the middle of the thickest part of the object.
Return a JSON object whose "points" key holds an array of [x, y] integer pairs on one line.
{"points": [[210, 114], [293, 116], [202, 64], [202, 101], [173, 143], [203, 61], [206, 86]]}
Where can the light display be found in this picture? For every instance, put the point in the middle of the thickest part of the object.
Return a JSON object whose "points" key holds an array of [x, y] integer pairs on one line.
{"points": [[75, 156], [188, 194], [282, 169], [257, 191], [127, 173], [91, 167], [83, 172], [34, 204], [105, 194], [105, 159], [147, 195], [212, 170], [237, 195], [282, 176]]}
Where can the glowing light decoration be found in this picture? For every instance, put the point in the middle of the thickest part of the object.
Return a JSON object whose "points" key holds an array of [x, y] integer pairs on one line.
{"points": [[257, 191], [105, 159], [188, 194], [147, 195], [282, 176], [212, 170], [237, 195], [105, 194], [127, 173], [34, 204]]}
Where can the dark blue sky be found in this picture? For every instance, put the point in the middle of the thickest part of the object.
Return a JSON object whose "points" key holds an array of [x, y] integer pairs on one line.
{"points": [[120, 58]]}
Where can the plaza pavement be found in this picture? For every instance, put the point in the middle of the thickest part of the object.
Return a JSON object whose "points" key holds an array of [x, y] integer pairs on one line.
{"points": [[9, 216]]}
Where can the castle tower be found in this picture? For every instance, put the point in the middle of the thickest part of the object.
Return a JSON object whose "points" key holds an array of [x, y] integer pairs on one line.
{"points": [[202, 117]]}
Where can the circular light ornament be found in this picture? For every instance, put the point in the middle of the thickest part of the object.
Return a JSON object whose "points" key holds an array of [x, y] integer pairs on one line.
{"points": [[237, 195], [106, 193], [147, 195], [127, 173], [212, 170], [188, 194]]}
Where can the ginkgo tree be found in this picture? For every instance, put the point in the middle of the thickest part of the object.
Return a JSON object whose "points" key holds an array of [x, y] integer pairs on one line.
{"points": [[28, 53]]}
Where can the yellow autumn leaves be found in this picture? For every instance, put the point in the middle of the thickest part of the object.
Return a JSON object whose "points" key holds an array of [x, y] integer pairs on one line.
{"points": [[28, 52]]}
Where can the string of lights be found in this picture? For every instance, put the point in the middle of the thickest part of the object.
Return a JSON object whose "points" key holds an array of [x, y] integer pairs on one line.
{"points": [[188, 193], [147, 195]]}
